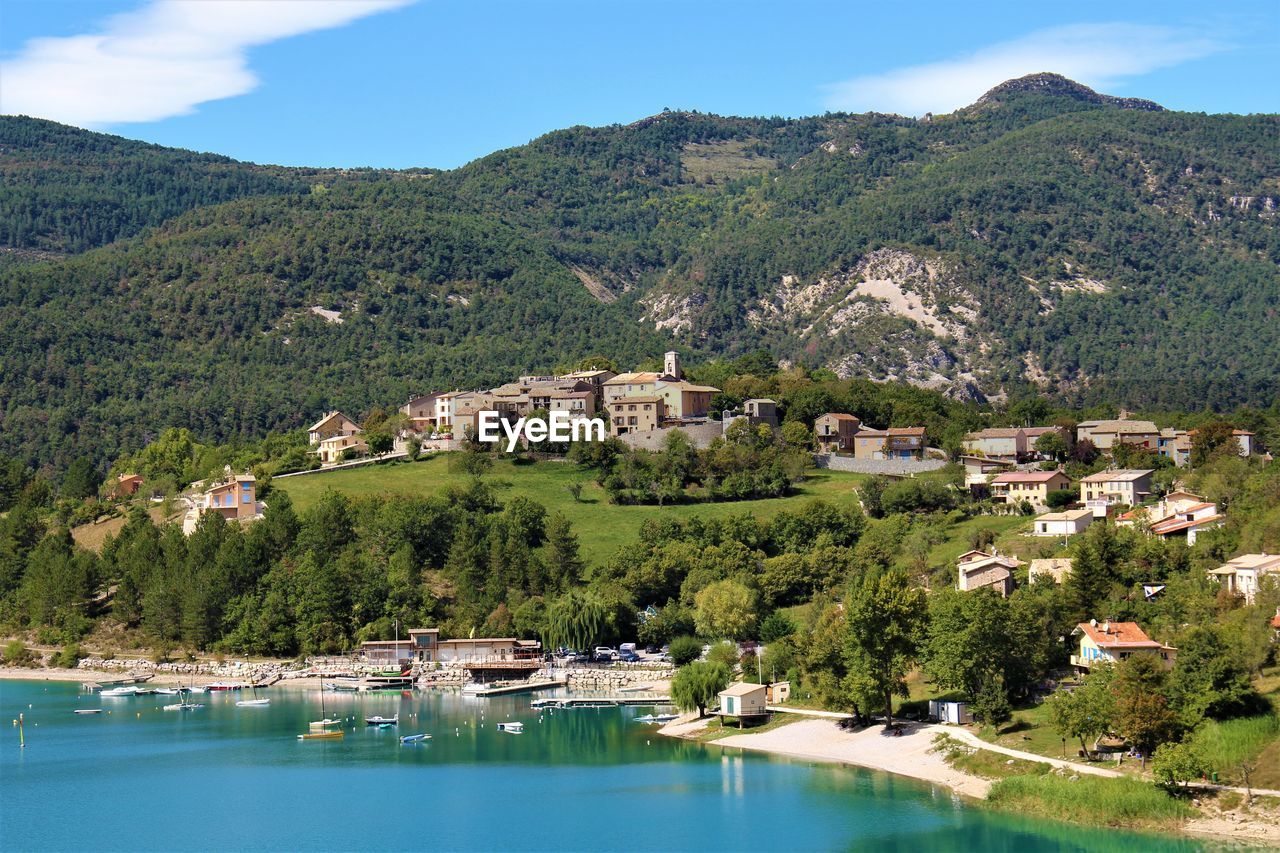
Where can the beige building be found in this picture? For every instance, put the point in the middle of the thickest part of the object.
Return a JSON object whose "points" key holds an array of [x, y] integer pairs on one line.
{"points": [[1031, 486], [234, 498], [835, 432], [635, 414], [1106, 489], [1066, 523], [331, 449], [979, 569], [333, 424], [744, 700], [1111, 642], [1178, 514], [893, 443], [1049, 570], [997, 443], [1107, 434], [1246, 574]]}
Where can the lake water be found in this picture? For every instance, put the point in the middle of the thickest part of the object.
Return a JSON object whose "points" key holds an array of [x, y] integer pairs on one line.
{"points": [[231, 778]]}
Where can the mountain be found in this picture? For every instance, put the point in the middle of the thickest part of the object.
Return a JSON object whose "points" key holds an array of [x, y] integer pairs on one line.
{"points": [[1045, 237]]}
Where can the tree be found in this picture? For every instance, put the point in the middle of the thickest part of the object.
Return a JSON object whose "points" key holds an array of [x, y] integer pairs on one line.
{"points": [[685, 650], [1087, 711], [1177, 764], [725, 609], [991, 704], [564, 566], [968, 640], [886, 619], [697, 684], [1143, 714], [81, 480], [471, 460], [1210, 440], [574, 620], [796, 434], [776, 626], [1052, 445], [413, 448], [575, 491], [1207, 682], [380, 443]]}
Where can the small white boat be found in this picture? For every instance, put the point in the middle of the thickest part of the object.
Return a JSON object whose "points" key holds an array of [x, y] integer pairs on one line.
{"points": [[414, 738], [183, 706], [474, 688], [252, 703], [647, 718], [665, 718], [131, 690], [382, 721], [513, 728], [88, 711], [324, 724], [167, 691]]}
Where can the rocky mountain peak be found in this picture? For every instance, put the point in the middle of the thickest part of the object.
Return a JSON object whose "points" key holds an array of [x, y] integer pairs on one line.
{"points": [[1046, 83]]}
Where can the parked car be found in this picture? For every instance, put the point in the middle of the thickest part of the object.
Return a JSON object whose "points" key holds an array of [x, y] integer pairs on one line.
{"points": [[628, 656], [652, 649], [605, 652]]}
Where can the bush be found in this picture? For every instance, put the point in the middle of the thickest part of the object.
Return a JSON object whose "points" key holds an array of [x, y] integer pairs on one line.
{"points": [[69, 657], [685, 650], [724, 652], [776, 626], [1059, 498], [1178, 763], [16, 654]]}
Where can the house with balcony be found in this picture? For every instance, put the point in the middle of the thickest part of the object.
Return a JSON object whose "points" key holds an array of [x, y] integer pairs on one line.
{"points": [[1108, 642], [1178, 514], [1106, 434], [234, 497], [1013, 487], [893, 443], [333, 449], [333, 424], [978, 471], [1246, 574], [835, 432], [1118, 487]]}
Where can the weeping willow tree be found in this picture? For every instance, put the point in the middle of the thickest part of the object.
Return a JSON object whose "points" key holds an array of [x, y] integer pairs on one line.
{"points": [[575, 620]]}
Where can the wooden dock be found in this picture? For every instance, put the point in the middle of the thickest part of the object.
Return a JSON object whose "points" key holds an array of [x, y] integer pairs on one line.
{"points": [[601, 701], [507, 689], [116, 682]]}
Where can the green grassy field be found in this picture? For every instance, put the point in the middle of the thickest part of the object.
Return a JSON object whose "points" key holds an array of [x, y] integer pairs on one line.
{"points": [[601, 526]]}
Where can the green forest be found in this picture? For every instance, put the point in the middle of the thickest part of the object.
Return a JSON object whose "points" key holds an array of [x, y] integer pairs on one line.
{"points": [[151, 288]]}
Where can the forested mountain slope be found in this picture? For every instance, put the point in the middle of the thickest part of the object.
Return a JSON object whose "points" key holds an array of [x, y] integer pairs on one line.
{"points": [[1100, 248]]}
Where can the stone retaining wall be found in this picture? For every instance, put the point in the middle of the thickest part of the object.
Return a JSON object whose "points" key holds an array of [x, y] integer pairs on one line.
{"points": [[892, 467]]}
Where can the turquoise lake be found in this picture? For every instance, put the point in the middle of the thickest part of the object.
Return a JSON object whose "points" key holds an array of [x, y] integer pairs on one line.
{"points": [[230, 778]]}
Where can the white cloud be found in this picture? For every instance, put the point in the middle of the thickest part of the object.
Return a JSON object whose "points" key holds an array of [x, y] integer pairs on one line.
{"points": [[162, 60], [1098, 55]]}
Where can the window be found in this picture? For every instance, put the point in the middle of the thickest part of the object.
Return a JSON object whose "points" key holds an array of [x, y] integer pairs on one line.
{"points": [[631, 420]]}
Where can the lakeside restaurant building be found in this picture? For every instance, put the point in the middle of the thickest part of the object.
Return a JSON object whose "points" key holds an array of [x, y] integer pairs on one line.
{"points": [[425, 646]]}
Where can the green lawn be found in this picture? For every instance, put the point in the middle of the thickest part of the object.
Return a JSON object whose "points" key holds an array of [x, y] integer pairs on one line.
{"points": [[601, 526]]}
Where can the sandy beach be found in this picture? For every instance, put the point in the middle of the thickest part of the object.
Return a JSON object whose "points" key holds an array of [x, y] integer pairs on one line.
{"points": [[823, 740]]}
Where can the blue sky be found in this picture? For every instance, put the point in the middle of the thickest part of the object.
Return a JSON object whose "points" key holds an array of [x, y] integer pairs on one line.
{"points": [[397, 83]]}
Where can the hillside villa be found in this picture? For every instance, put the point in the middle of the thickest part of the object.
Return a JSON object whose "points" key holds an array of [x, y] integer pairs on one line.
{"points": [[234, 497], [1031, 486], [1175, 444], [636, 414], [1066, 523], [1244, 575], [978, 569], [835, 431], [127, 485], [1110, 642], [335, 423], [892, 443], [1129, 487]]}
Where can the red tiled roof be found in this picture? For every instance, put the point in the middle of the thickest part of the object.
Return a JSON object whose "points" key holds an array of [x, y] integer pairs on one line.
{"points": [[1119, 634], [1177, 525]]}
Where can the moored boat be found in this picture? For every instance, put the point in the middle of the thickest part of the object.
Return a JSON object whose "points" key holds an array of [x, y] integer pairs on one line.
{"points": [[322, 735], [382, 721], [184, 706], [512, 728], [120, 691], [225, 685], [415, 738], [88, 711]]}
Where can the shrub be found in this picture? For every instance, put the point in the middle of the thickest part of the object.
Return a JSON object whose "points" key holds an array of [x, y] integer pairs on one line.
{"points": [[685, 650], [69, 657], [1178, 763], [724, 652], [16, 654], [1059, 498], [776, 626]]}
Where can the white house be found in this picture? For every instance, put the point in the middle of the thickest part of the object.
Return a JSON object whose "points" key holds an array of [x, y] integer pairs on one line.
{"points": [[744, 700], [1106, 489], [1066, 523], [1245, 574]]}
